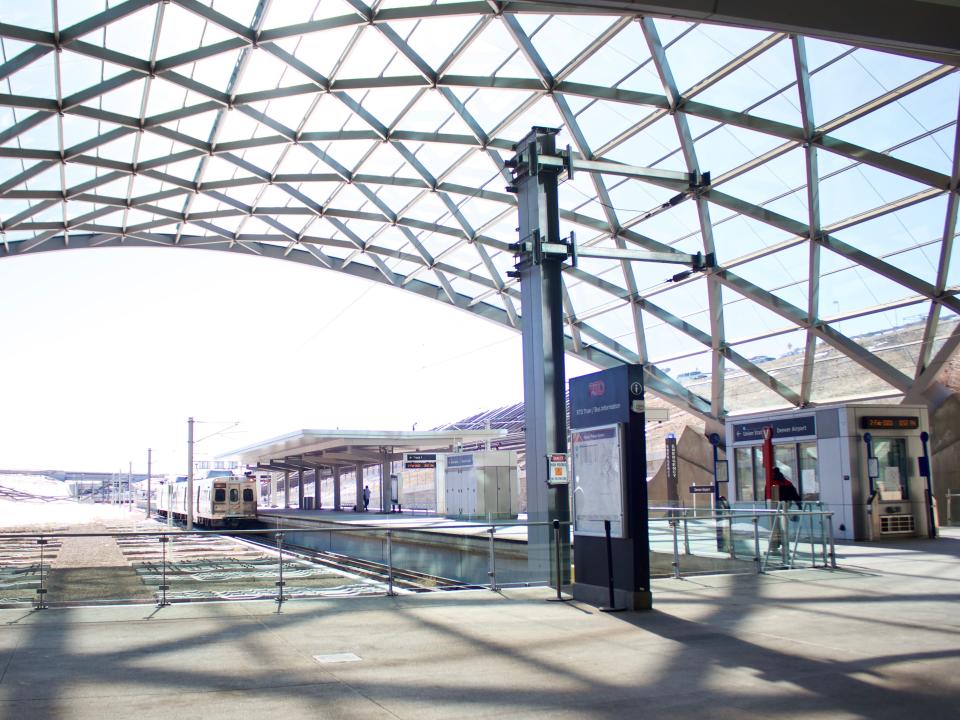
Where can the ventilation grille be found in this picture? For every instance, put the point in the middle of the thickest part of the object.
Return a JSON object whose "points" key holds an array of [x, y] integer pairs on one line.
{"points": [[891, 524]]}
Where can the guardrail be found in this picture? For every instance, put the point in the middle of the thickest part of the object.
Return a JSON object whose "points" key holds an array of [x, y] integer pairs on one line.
{"points": [[950, 497], [166, 566], [769, 538]]}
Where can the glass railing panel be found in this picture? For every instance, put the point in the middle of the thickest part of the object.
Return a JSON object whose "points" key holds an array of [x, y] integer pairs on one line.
{"points": [[25, 569], [169, 566]]}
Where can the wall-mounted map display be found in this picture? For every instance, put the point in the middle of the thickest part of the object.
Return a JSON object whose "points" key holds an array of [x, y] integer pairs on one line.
{"points": [[598, 481]]}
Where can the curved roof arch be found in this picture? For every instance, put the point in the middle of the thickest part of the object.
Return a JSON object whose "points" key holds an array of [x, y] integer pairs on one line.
{"points": [[372, 140]]}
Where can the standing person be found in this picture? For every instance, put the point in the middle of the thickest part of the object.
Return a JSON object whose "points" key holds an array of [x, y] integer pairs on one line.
{"points": [[366, 497], [785, 493]]}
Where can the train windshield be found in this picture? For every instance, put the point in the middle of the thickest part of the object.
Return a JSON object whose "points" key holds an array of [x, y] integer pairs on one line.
{"points": [[219, 495], [247, 495]]}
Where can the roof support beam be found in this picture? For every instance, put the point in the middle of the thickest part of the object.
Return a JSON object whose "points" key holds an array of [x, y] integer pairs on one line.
{"points": [[930, 32]]}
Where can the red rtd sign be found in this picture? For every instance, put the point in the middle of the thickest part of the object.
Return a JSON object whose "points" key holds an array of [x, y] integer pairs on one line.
{"points": [[597, 388]]}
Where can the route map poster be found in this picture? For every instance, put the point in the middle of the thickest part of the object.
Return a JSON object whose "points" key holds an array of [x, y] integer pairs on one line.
{"points": [[598, 481]]}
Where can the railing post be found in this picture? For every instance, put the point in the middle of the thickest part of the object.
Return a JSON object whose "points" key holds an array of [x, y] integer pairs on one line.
{"points": [[784, 535], [813, 546], [676, 550], [611, 596], [42, 590], [492, 572], [732, 538], [280, 582], [756, 543], [163, 572], [390, 591], [823, 536], [556, 544], [833, 552], [686, 535]]}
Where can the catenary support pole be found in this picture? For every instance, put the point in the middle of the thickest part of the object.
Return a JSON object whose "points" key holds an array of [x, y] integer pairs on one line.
{"points": [[190, 474], [544, 375], [149, 478]]}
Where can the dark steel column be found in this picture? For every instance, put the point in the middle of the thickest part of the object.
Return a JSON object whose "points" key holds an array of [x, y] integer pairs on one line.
{"points": [[544, 378], [336, 487]]}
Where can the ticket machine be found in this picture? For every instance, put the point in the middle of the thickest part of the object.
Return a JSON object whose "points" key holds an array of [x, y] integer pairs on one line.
{"points": [[894, 477]]}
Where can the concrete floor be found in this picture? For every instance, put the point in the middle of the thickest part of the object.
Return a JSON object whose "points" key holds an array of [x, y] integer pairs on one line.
{"points": [[880, 639]]}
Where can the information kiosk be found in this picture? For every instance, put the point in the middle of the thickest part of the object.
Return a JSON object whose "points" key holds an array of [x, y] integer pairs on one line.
{"points": [[608, 445]]}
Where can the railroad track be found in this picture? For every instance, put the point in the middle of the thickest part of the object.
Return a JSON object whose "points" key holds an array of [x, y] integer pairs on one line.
{"points": [[408, 580]]}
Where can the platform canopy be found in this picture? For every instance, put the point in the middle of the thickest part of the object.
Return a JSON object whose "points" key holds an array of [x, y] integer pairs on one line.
{"points": [[328, 448], [370, 139]]}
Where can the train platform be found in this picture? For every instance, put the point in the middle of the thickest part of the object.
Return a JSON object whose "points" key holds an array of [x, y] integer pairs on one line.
{"points": [[877, 639], [505, 529]]}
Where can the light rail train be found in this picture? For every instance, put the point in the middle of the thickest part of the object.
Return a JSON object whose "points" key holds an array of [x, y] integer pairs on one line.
{"points": [[217, 501]]}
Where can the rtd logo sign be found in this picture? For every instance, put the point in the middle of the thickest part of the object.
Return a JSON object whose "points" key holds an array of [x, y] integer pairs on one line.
{"points": [[597, 388]]}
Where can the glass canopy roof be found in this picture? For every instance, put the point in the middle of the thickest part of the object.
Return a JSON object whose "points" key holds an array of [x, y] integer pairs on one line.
{"points": [[372, 141]]}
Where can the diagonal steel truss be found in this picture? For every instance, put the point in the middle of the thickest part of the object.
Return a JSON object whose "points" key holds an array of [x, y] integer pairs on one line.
{"points": [[419, 226]]}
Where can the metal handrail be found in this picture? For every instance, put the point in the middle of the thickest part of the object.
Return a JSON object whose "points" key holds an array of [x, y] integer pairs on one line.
{"points": [[729, 521], [265, 531]]}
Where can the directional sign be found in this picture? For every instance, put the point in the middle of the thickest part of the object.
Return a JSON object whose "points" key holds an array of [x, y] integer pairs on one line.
{"points": [[701, 489]]}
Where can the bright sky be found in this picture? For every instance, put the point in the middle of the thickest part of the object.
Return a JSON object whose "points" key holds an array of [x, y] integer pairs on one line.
{"points": [[108, 352]]}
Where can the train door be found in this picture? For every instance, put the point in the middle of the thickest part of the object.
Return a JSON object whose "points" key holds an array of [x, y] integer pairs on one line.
{"points": [[234, 505], [219, 507], [249, 499]]}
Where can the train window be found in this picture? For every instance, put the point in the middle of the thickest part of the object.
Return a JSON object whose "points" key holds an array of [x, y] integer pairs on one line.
{"points": [[247, 495], [219, 495], [234, 495]]}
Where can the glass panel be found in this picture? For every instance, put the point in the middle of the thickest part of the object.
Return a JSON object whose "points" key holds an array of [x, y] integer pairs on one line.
{"points": [[809, 486], [759, 475], [743, 460], [219, 495], [891, 454], [247, 495], [234, 495], [785, 458]]}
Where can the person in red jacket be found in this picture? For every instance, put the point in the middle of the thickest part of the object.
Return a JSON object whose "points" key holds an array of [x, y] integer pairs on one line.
{"points": [[786, 491]]}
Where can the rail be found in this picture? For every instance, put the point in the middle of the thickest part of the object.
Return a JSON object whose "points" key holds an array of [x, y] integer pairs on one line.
{"points": [[172, 565]]}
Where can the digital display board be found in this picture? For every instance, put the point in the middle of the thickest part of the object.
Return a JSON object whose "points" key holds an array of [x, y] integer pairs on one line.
{"points": [[419, 461], [887, 422]]}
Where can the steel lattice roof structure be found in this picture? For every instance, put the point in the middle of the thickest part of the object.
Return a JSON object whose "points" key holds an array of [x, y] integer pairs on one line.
{"points": [[371, 140]]}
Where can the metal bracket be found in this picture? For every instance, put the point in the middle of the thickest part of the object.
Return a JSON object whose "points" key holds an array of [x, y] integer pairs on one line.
{"points": [[529, 163]]}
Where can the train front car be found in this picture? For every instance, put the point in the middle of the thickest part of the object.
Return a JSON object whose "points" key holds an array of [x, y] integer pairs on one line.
{"points": [[234, 502]]}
